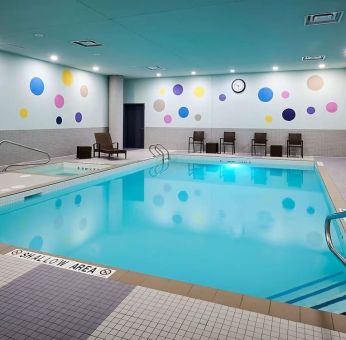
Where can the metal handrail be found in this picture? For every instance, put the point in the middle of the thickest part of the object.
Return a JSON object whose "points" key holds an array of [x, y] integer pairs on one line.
{"points": [[160, 147], [159, 151], [28, 148], [329, 240]]}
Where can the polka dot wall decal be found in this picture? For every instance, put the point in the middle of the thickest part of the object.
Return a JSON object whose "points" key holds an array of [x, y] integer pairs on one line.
{"points": [[310, 210], [67, 77], [23, 112], [285, 94], [36, 86], [178, 89], [167, 119], [265, 94], [198, 117], [310, 110], [177, 219], [162, 91], [58, 120], [199, 91], [59, 101], [159, 105], [158, 200], [78, 117], [84, 91], [183, 196], [332, 107], [268, 119], [183, 112], [58, 203], [78, 199], [288, 114], [315, 83], [288, 203], [222, 97]]}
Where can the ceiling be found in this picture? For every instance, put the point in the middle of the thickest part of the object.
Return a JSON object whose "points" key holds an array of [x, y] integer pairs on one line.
{"points": [[207, 36]]}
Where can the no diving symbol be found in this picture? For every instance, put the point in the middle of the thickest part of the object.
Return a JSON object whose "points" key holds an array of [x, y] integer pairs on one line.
{"points": [[17, 252], [105, 271]]}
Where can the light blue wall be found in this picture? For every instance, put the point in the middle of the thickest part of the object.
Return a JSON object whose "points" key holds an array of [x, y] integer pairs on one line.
{"points": [[16, 73], [291, 90]]}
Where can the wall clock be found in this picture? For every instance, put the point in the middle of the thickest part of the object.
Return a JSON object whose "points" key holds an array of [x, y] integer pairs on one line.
{"points": [[238, 85]]}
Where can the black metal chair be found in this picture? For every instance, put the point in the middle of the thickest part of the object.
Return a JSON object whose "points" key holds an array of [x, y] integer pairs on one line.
{"points": [[197, 139], [295, 141], [260, 139], [228, 139]]}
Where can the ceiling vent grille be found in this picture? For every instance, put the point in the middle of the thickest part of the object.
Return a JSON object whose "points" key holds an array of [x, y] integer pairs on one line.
{"points": [[154, 68], [314, 58], [323, 18], [87, 43]]}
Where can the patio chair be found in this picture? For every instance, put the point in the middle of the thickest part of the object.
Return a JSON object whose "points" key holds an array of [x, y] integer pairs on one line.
{"points": [[295, 141], [104, 144], [260, 139], [197, 139], [228, 139]]}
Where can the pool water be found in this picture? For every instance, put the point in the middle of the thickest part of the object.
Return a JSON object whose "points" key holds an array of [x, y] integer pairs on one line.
{"points": [[256, 230]]}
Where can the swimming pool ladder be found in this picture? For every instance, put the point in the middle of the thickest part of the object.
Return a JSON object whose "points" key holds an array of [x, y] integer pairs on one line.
{"points": [[158, 150], [329, 240], [5, 141]]}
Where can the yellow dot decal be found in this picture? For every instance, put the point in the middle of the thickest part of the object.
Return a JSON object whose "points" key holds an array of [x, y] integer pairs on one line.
{"points": [[163, 91], [67, 77], [23, 112], [268, 118], [199, 91]]}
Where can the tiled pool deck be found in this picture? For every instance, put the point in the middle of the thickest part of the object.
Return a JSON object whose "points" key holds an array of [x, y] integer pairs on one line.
{"points": [[42, 302]]}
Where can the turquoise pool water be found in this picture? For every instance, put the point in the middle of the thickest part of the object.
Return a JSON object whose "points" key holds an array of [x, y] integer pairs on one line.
{"points": [[257, 230]]}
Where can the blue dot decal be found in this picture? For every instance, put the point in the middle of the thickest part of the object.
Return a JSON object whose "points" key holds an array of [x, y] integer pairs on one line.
{"points": [[36, 243], [58, 203], [177, 219], [58, 120], [183, 196], [178, 89], [310, 110], [265, 94], [78, 200], [288, 114], [183, 112], [310, 210], [288, 203], [36, 86]]}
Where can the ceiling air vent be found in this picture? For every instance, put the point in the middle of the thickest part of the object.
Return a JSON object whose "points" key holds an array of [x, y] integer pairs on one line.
{"points": [[87, 43], [154, 68], [323, 18], [313, 58]]}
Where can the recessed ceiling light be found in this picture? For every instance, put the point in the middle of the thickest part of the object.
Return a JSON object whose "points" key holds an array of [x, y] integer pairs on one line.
{"points": [[158, 74], [193, 73], [275, 68], [54, 57], [96, 68], [39, 35], [322, 65], [232, 70]]}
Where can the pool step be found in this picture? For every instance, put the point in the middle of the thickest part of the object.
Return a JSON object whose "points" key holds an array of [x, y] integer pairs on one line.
{"points": [[327, 293]]}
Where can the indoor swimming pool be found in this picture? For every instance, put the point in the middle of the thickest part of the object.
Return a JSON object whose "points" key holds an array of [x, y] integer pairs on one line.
{"points": [[237, 226]]}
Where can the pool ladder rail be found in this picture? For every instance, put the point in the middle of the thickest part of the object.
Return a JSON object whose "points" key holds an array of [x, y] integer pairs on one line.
{"points": [[158, 150], [39, 162], [329, 239]]}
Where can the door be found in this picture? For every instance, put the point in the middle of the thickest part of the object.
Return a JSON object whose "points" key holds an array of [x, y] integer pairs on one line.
{"points": [[133, 126]]}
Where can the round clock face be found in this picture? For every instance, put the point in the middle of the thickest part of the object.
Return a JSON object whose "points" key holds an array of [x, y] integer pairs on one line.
{"points": [[238, 85]]}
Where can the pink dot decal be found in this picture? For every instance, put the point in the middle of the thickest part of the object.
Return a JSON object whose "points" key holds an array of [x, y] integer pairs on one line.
{"points": [[59, 101], [167, 119], [285, 94], [332, 107]]}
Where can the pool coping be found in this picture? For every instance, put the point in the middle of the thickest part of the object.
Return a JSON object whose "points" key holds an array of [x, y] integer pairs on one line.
{"points": [[332, 321]]}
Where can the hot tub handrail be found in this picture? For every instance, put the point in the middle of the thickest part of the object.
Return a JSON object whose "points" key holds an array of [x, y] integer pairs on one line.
{"points": [[5, 141], [329, 240]]}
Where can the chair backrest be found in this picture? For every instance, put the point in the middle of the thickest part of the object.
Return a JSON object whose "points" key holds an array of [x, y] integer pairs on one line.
{"points": [[198, 136], [295, 138], [229, 137], [104, 139], [260, 137]]}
